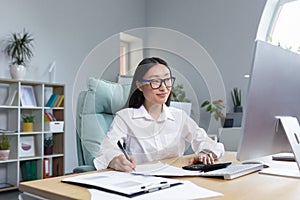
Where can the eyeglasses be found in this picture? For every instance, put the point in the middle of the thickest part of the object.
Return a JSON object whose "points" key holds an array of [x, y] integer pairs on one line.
{"points": [[156, 83]]}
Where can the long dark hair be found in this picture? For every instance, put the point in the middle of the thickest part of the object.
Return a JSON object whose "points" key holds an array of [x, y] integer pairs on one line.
{"points": [[136, 97]]}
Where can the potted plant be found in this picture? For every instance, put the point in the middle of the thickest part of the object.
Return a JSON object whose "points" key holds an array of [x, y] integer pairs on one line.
{"points": [[4, 147], [179, 99], [19, 48], [215, 107], [236, 95], [28, 121], [48, 145]]}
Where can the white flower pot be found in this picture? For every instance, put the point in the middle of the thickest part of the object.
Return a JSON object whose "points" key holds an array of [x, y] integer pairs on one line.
{"points": [[17, 72], [4, 154]]}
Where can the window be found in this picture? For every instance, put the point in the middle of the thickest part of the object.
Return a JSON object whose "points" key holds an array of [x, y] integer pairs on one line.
{"points": [[131, 53], [285, 29], [124, 57]]}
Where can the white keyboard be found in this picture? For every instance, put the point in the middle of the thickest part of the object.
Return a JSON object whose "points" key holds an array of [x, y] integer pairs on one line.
{"points": [[233, 171]]}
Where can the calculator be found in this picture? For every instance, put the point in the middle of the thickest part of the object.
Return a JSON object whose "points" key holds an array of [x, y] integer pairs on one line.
{"points": [[206, 168]]}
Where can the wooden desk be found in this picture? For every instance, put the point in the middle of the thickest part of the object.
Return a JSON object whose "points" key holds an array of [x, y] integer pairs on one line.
{"points": [[253, 186]]}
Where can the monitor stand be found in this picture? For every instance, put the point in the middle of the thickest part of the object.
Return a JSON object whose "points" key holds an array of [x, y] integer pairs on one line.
{"points": [[291, 128]]}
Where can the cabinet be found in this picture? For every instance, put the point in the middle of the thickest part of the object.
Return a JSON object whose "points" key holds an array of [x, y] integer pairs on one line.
{"points": [[18, 98]]}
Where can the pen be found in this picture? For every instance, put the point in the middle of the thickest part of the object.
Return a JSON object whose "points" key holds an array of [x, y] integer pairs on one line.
{"points": [[124, 152]]}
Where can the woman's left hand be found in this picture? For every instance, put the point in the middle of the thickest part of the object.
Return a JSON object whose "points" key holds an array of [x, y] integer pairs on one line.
{"points": [[205, 158]]}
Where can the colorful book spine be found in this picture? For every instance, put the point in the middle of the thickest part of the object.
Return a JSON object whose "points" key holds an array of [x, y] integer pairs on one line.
{"points": [[47, 118], [52, 117], [50, 101], [61, 100], [54, 100], [57, 101]]}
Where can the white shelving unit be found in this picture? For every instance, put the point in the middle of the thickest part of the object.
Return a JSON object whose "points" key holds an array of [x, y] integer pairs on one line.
{"points": [[11, 119]]}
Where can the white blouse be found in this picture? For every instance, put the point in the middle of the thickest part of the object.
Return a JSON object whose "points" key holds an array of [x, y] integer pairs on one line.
{"points": [[148, 139]]}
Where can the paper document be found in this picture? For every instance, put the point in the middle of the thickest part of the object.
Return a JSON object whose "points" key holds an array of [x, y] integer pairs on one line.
{"points": [[282, 168], [187, 190], [163, 169], [123, 183]]}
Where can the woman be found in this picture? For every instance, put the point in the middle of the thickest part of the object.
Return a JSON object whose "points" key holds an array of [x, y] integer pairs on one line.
{"points": [[150, 128]]}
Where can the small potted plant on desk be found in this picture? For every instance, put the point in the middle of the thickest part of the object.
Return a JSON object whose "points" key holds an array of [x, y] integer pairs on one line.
{"points": [[4, 148], [28, 121], [48, 145]]}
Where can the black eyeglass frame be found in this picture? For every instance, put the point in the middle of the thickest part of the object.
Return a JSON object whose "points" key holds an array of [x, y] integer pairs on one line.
{"points": [[161, 81]]}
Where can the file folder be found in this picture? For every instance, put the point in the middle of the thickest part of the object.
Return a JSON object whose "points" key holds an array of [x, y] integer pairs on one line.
{"points": [[122, 183]]}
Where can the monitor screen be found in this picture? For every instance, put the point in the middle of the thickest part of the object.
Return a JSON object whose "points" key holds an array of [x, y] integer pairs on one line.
{"points": [[274, 90]]}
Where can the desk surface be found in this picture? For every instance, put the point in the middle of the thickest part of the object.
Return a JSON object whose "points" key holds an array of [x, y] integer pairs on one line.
{"points": [[253, 186]]}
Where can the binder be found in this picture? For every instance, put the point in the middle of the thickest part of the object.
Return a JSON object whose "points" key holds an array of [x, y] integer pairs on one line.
{"points": [[122, 183], [29, 170], [46, 168]]}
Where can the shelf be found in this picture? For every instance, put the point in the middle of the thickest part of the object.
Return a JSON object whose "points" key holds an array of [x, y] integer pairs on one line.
{"points": [[8, 107], [54, 108], [8, 161], [31, 133], [31, 108], [8, 188], [54, 156], [11, 111]]}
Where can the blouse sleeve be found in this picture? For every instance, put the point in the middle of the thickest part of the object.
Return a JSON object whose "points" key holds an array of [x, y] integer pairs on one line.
{"points": [[108, 148], [199, 139]]}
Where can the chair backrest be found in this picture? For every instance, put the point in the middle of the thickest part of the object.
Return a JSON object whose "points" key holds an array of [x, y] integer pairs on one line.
{"points": [[95, 111]]}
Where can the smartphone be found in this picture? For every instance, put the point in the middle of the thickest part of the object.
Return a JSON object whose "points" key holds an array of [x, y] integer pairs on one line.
{"points": [[206, 168]]}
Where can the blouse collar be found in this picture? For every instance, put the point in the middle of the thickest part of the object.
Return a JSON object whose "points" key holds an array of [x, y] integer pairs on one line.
{"points": [[142, 112]]}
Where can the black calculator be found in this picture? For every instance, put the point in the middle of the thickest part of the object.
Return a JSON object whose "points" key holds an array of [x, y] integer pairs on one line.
{"points": [[206, 168]]}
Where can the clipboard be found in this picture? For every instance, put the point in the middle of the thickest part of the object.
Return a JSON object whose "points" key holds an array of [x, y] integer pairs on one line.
{"points": [[122, 183]]}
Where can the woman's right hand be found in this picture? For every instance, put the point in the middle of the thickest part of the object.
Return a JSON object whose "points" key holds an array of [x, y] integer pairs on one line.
{"points": [[120, 163]]}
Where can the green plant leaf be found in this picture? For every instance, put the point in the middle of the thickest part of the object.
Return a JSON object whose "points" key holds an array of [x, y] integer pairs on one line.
{"points": [[205, 103], [209, 108], [4, 143], [19, 47]]}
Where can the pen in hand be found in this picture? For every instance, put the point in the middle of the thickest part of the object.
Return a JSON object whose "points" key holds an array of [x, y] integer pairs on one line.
{"points": [[124, 152]]}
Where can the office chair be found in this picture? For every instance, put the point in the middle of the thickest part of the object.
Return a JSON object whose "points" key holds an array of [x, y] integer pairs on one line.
{"points": [[95, 111]]}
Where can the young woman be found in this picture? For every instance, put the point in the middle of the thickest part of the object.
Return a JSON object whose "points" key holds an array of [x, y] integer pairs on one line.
{"points": [[150, 128]]}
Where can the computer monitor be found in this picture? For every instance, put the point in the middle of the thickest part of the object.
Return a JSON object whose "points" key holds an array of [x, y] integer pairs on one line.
{"points": [[274, 90]]}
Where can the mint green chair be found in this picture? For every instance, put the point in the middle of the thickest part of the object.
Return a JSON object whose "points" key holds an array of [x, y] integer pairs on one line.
{"points": [[95, 111]]}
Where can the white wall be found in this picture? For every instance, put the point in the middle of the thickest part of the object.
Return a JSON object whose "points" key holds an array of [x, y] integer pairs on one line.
{"points": [[226, 29], [66, 31]]}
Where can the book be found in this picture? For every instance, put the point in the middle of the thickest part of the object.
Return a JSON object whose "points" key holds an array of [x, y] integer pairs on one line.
{"points": [[50, 101], [54, 100], [52, 116], [7, 131], [47, 117], [57, 101], [5, 185], [61, 100]]}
